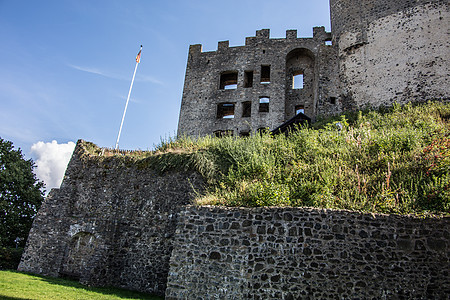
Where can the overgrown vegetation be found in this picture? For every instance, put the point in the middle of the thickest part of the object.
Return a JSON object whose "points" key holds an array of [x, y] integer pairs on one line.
{"points": [[15, 285], [394, 160], [21, 195]]}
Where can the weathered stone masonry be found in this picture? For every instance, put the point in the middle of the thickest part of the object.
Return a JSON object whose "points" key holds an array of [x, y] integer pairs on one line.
{"points": [[391, 51], [382, 52], [110, 223], [264, 68], [115, 223], [301, 253]]}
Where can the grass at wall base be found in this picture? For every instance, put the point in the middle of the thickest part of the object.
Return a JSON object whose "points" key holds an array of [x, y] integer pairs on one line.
{"points": [[389, 160], [15, 285]]}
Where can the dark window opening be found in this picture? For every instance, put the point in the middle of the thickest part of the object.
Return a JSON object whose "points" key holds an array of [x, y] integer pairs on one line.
{"points": [[225, 111], [265, 74], [264, 104], [299, 109], [333, 100], [248, 79], [223, 133], [228, 80], [246, 109], [297, 81], [244, 133]]}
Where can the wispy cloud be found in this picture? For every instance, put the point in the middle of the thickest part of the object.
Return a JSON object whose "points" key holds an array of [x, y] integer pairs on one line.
{"points": [[141, 78], [95, 71], [151, 79]]}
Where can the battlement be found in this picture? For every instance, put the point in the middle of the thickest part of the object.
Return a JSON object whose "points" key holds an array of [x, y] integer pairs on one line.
{"points": [[263, 36]]}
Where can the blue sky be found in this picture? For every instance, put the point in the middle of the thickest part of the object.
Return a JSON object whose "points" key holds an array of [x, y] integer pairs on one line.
{"points": [[66, 65]]}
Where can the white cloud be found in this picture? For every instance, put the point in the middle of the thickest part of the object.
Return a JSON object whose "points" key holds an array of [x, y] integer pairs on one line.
{"points": [[52, 160]]}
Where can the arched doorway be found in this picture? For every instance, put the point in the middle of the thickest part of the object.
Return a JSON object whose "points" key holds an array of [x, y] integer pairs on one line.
{"points": [[299, 83], [78, 254]]}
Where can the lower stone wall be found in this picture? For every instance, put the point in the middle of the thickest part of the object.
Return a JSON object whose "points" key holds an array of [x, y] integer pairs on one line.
{"points": [[300, 253], [110, 224]]}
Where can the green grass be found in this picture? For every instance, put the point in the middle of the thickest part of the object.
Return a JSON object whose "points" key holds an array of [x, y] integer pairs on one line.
{"points": [[390, 160], [15, 285]]}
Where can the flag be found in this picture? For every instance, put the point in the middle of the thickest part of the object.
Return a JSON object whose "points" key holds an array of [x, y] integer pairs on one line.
{"points": [[138, 57]]}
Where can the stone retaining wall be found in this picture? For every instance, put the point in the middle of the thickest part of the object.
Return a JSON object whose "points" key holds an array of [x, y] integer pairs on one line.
{"points": [[300, 253]]}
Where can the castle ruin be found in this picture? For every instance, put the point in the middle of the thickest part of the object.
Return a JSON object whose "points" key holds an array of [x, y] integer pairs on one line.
{"points": [[378, 52], [115, 223]]}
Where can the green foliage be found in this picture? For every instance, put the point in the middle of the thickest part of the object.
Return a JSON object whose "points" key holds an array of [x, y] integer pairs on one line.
{"points": [[10, 258], [15, 285], [20, 195], [391, 160]]}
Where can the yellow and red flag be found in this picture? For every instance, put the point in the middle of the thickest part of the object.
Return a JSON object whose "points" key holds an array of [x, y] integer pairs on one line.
{"points": [[138, 57]]}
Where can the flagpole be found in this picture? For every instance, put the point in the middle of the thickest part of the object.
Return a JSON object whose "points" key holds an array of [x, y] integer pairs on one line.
{"points": [[138, 59]]}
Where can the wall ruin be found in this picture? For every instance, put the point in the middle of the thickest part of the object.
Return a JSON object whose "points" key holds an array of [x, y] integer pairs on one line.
{"points": [[382, 52], [117, 223], [110, 224], [239, 77]]}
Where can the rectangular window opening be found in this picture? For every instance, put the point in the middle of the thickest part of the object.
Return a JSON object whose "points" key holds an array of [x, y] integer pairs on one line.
{"points": [[329, 43], [264, 104], [299, 109], [225, 110], [248, 79], [228, 80], [297, 81], [333, 100], [265, 74], [246, 109]]}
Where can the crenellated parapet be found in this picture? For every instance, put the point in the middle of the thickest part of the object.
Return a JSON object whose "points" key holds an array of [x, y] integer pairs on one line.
{"points": [[263, 36]]}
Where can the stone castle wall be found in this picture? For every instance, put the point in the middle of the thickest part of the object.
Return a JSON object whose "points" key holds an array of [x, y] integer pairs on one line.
{"points": [[301, 253], [391, 51], [284, 57], [382, 52], [110, 223]]}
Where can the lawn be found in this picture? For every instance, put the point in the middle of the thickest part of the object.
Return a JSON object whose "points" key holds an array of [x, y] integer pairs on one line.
{"points": [[15, 285]]}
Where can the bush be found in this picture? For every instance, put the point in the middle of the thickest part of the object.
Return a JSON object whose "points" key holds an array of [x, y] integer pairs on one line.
{"points": [[10, 258]]}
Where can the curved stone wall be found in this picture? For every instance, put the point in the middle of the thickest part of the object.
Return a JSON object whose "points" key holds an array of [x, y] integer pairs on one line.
{"points": [[391, 51]]}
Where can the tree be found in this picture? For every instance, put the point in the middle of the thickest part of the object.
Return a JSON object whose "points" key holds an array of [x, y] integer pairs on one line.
{"points": [[21, 195]]}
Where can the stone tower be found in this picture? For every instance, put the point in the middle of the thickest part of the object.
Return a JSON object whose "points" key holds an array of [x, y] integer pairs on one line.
{"points": [[391, 51]]}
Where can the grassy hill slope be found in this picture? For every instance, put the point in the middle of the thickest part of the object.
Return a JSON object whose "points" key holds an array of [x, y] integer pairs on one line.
{"points": [[394, 160]]}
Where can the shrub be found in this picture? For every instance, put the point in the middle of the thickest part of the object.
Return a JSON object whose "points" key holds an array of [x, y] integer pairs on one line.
{"points": [[10, 258]]}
